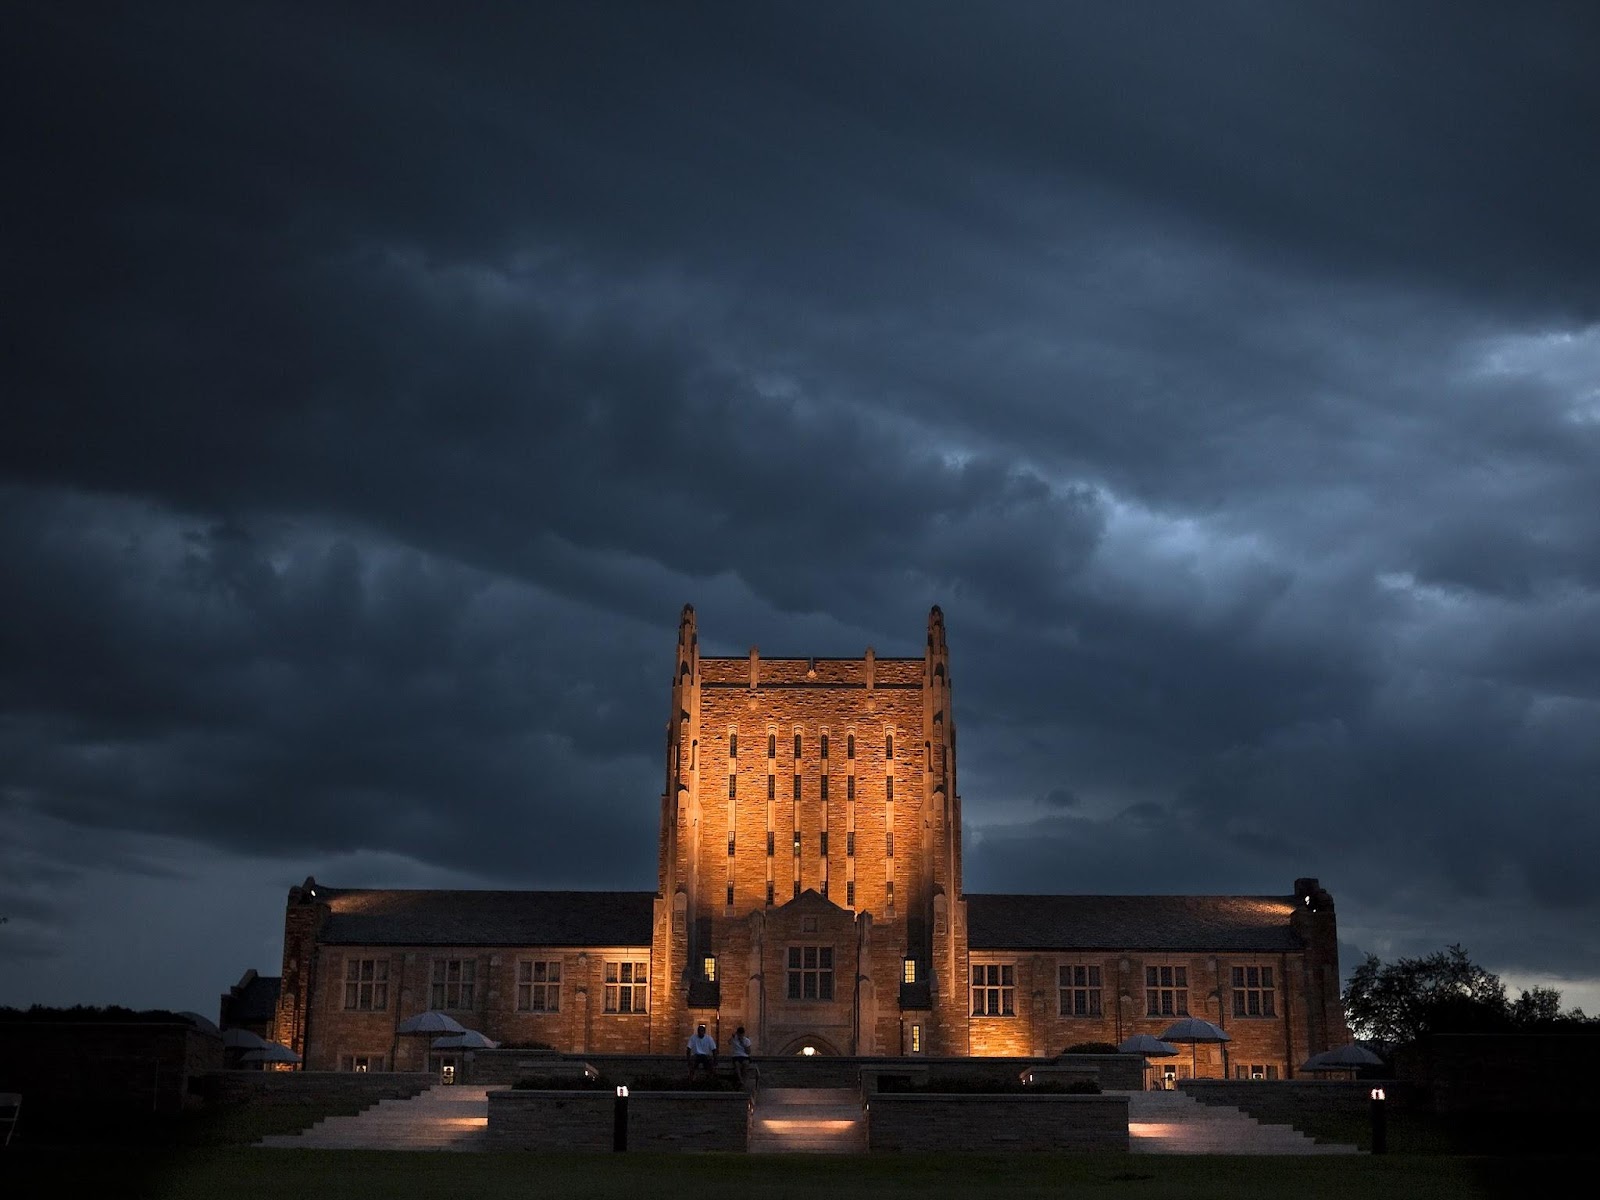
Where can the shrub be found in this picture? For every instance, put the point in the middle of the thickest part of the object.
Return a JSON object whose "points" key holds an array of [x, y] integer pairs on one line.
{"points": [[1090, 1048]]}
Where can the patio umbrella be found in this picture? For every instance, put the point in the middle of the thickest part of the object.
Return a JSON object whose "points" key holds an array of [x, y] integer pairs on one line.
{"points": [[1342, 1058], [470, 1040], [1143, 1043], [203, 1024], [242, 1039], [270, 1052], [1194, 1030], [430, 1022]]}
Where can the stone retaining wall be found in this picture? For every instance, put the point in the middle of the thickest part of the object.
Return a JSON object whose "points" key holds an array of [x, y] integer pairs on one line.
{"points": [[1080, 1124], [670, 1121], [288, 1088]]}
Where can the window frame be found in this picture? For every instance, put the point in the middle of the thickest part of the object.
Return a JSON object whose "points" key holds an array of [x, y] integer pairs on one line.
{"points": [[1080, 986], [994, 988], [818, 973], [635, 989], [374, 988], [545, 989]]}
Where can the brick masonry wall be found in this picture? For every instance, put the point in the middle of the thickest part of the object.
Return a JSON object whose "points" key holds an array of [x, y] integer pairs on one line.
{"points": [[657, 1121], [1078, 1124]]}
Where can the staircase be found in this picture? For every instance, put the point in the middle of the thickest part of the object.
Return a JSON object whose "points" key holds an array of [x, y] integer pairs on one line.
{"points": [[789, 1120], [453, 1117], [1177, 1123]]}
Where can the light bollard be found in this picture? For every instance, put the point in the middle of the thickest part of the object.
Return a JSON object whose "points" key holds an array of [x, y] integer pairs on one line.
{"points": [[619, 1121], [1380, 1122]]}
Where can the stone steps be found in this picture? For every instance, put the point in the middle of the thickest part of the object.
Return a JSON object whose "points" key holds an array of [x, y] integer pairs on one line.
{"points": [[452, 1117], [808, 1121], [1176, 1123]]}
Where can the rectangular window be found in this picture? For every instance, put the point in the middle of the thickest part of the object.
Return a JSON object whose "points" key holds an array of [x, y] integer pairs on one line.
{"points": [[1253, 992], [1080, 991], [797, 747], [730, 895], [797, 843], [824, 887], [733, 787], [708, 968], [627, 987], [797, 889], [888, 745], [1166, 991], [888, 845], [772, 840], [824, 747], [888, 891], [733, 745], [361, 1062], [908, 971], [772, 788], [994, 990], [772, 745], [888, 789], [454, 983], [811, 972], [916, 1039], [850, 845], [730, 845], [539, 985], [850, 893], [822, 788], [366, 984], [850, 745], [849, 787], [823, 839], [769, 892], [1255, 1071], [797, 789]]}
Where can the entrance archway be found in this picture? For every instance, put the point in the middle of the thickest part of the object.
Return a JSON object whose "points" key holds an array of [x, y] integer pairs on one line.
{"points": [[810, 1046]]}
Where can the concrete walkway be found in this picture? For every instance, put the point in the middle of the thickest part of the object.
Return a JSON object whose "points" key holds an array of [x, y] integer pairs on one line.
{"points": [[808, 1121], [1176, 1123], [454, 1117]]}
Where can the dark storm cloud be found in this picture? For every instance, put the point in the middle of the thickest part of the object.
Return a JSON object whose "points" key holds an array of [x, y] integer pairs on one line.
{"points": [[379, 384]]}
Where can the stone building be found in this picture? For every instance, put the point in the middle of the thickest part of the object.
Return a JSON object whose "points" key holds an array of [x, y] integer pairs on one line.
{"points": [[809, 888]]}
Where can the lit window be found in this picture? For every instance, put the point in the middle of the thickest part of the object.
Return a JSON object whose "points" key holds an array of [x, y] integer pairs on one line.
{"points": [[361, 1062], [627, 987], [539, 985], [916, 1039], [709, 966], [908, 971]]}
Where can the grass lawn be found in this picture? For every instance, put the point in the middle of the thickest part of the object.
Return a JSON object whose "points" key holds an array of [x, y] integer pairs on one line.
{"points": [[246, 1173]]}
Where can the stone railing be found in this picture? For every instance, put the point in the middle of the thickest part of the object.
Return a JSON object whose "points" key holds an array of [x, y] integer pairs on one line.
{"points": [[583, 1120], [972, 1122]]}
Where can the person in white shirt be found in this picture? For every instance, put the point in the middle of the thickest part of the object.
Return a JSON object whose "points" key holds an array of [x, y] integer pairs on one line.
{"points": [[702, 1052], [741, 1053]]}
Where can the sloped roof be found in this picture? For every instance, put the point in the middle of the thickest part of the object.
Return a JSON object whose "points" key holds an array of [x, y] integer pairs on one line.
{"points": [[371, 917], [1011, 922]]}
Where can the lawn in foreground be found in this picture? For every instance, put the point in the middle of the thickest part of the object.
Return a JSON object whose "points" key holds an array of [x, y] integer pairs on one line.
{"points": [[247, 1173]]}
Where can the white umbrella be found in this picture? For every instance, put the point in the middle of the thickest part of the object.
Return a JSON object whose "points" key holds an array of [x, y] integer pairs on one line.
{"points": [[1194, 1031], [1143, 1043], [431, 1022], [242, 1039], [203, 1024], [1342, 1058], [270, 1052], [470, 1040]]}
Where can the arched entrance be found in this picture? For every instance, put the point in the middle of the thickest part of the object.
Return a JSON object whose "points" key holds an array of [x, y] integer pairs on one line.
{"points": [[810, 1046]]}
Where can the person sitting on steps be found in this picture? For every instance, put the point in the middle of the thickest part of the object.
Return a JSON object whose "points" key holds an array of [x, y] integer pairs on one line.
{"points": [[702, 1053]]}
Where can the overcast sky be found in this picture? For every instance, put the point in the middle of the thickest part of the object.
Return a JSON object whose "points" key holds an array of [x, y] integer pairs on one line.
{"points": [[378, 384]]}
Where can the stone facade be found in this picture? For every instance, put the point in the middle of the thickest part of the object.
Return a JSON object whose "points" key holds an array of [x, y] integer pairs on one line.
{"points": [[809, 888]]}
